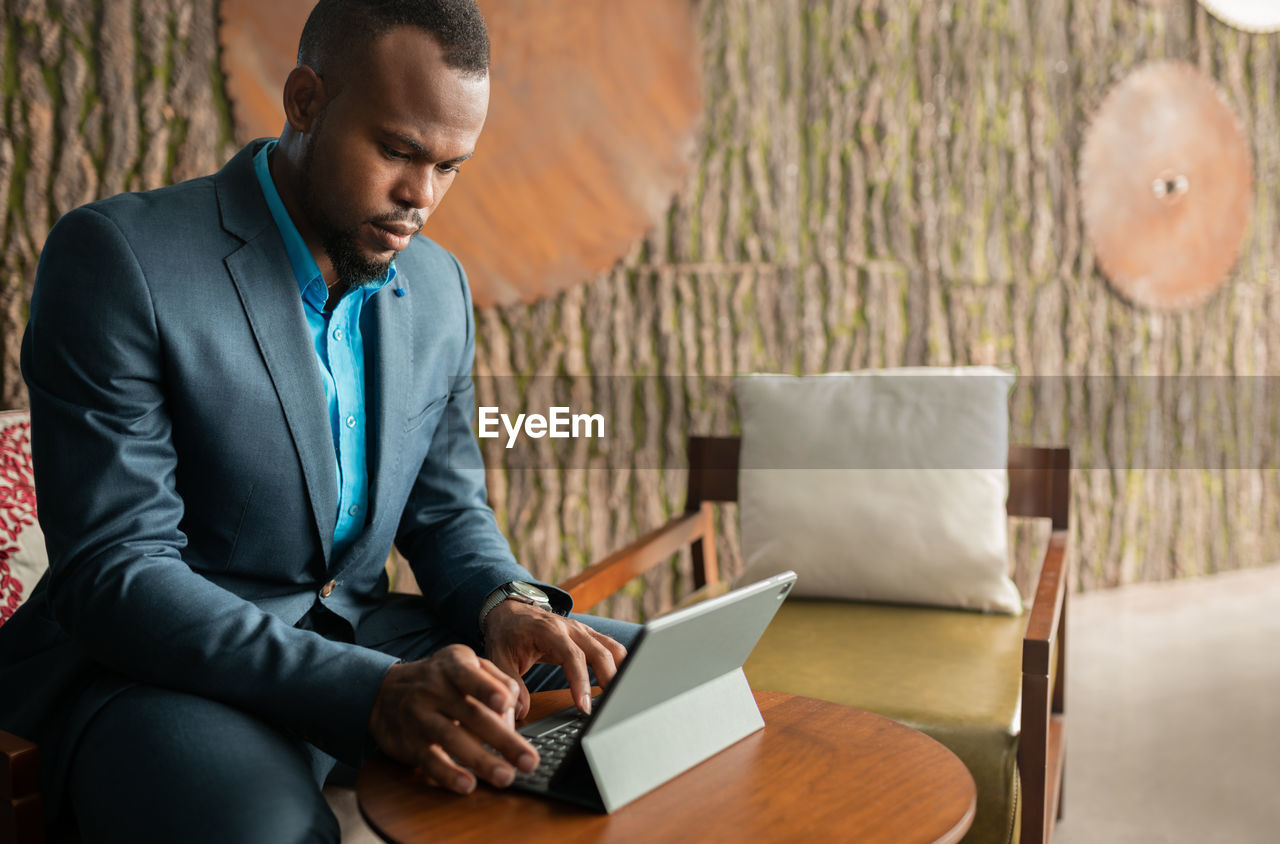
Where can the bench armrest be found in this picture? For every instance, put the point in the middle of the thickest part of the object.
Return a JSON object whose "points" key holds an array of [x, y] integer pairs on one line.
{"points": [[1047, 608], [1042, 744], [21, 811], [592, 585]]}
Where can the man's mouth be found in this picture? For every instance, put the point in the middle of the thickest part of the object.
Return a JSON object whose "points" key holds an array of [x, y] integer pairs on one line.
{"points": [[394, 236]]}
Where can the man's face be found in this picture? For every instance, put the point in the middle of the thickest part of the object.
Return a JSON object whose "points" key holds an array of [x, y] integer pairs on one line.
{"points": [[386, 149]]}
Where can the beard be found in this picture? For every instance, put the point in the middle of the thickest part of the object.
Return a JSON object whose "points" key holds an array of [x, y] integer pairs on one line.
{"points": [[352, 268], [341, 244]]}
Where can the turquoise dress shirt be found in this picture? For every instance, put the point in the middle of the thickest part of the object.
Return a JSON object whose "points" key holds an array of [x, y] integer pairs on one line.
{"points": [[339, 352]]}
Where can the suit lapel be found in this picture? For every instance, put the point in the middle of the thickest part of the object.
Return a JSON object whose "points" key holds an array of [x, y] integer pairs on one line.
{"points": [[263, 278]]}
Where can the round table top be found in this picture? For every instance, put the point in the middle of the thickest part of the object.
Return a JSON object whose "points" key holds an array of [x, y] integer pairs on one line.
{"points": [[816, 769]]}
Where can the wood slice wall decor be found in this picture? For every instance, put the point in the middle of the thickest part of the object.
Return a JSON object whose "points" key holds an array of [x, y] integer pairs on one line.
{"points": [[1249, 15], [591, 130], [1166, 182]]}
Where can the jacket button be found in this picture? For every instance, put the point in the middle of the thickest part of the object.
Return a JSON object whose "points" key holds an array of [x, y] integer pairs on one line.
{"points": [[328, 589]]}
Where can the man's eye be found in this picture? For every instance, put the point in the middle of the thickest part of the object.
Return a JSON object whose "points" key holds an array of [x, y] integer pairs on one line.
{"points": [[448, 168], [392, 152]]}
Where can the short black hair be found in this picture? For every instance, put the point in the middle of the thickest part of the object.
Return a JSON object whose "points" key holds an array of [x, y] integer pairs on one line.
{"points": [[335, 26]]}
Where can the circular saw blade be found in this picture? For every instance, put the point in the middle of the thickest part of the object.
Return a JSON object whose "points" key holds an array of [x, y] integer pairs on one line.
{"points": [[1249, 15], [1166, 185]]}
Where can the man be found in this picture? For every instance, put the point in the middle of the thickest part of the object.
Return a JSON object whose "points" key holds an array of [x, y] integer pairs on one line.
{"points": [[244, 388]]}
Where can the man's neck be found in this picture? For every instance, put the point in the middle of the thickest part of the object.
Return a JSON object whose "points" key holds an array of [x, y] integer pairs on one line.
{"points": [[337, 289], [284, 177]]}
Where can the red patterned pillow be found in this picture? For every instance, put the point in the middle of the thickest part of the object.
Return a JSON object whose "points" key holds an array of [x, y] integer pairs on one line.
{"points": [[23, 558]]}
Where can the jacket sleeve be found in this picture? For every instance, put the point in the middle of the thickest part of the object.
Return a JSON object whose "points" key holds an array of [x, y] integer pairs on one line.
{"points": [[448, 532], [105, 479]]}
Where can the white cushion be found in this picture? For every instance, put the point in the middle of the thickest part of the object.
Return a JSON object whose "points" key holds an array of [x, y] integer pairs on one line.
{"points": [[881, 485], [23, 558]]}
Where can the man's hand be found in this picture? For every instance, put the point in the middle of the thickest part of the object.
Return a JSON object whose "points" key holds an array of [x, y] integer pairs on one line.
{"points": [[436, 712], [518, 636]]}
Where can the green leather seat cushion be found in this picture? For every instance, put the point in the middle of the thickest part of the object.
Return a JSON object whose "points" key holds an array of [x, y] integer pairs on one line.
{"points": [[952, 674]]}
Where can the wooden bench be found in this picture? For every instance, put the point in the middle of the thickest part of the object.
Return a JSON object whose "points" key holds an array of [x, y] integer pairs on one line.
{"points": [[1039, 487]]}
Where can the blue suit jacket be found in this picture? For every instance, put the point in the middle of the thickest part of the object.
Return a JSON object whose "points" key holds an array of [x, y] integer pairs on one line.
{"points": [[186, 480]]}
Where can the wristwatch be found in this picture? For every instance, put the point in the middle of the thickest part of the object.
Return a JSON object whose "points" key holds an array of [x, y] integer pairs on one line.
{"points": [[516, 590]]}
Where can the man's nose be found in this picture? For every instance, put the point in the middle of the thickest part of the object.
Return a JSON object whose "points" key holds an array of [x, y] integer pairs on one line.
{"points": [[417, 189]]}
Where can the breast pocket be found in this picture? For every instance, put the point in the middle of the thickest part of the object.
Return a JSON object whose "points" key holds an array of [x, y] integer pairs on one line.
{"points": [[433, 409]]}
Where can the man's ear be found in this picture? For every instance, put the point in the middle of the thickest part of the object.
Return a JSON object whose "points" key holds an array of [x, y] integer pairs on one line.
{"points": [[304, 98]]}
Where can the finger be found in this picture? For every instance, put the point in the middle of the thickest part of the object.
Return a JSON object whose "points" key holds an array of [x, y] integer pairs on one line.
{"points": [[466, 672], [574, 663], [509, 675], [512, 674], [467, 751], [522, 708], [480, 723], [440, 770], [506, 674], [599, 657], [615, 647], [616, 650]]}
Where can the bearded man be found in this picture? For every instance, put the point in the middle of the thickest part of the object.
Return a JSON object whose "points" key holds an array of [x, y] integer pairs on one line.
{"points": [[244, 390]]}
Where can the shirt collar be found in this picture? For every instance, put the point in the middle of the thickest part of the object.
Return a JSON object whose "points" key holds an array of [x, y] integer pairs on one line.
{"points": [[305, 270]]}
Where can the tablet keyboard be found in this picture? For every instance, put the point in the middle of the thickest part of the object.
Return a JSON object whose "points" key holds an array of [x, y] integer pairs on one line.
{"points": [[554, 748]]}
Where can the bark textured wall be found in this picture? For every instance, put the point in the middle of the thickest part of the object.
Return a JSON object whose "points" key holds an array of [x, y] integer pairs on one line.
{"points": [[893, 183], [879, 183], [100, 96]]}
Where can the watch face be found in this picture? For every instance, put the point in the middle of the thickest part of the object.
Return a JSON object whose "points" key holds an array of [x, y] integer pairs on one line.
{"points": [[528, 590]]}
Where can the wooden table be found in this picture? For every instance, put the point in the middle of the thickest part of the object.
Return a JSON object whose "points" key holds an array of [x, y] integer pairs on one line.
{"points": [[817, 771]]}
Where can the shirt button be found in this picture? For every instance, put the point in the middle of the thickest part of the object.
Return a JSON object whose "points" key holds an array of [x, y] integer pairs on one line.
{"points": [[328, 589], [351, 421], [353, 509], [337, 334]]}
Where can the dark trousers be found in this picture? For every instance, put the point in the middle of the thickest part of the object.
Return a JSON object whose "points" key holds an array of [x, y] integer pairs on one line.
{"points": [[165, 766]]}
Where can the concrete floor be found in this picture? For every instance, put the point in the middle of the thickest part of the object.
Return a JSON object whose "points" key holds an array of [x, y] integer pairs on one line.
{"points": [[1174, 712]]}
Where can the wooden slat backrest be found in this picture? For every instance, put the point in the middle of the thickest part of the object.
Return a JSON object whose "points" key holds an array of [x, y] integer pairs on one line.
{"points": [[1040, 483], [713, 470], [1039, 478]]}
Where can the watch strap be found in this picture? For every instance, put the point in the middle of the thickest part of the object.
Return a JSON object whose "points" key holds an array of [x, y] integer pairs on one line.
{"points": [[497, 596], [502, 593]]}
